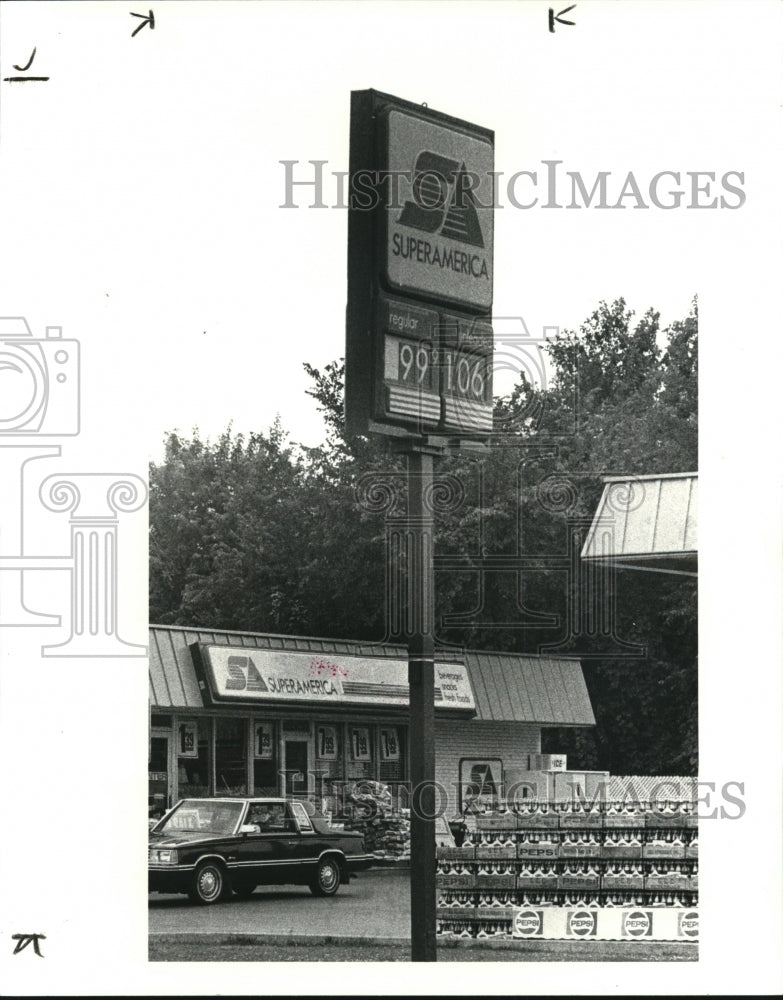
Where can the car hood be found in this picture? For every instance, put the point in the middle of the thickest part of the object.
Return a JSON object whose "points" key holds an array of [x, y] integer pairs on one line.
{"points": [[178, 839]]}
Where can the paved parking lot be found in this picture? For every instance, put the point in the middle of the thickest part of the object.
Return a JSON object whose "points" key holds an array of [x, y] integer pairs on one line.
{"points": [[367, 920], [376, 904]]}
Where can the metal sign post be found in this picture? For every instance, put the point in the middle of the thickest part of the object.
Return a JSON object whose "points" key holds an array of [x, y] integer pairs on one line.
{"points": [[421, 678], [418, 364]]}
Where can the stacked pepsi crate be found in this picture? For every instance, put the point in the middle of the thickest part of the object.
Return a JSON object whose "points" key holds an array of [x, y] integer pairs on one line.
{"points": [[566, 855]]}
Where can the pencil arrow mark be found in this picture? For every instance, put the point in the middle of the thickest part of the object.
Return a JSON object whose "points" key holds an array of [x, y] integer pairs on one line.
{"points": [[23, 69], [148, 19], [559, 17]]}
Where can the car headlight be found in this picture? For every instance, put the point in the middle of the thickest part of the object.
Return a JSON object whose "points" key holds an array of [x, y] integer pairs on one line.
{"points": [[160, 857]]}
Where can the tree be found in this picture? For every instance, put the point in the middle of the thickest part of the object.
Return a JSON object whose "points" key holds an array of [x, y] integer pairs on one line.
{"points": [[259, 534]]}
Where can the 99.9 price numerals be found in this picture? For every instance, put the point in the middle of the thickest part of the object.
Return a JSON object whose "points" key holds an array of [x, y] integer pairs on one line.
{"points": [[462, 374]]}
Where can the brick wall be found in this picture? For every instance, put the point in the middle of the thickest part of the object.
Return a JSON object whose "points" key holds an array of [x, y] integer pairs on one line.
{"points": [[510, 741]]}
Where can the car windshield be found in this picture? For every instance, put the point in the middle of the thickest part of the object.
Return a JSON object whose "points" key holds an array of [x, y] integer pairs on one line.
{"points": [[203, 816]]}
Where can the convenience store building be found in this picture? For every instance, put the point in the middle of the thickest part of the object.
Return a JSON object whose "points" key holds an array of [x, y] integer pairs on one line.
{"points": [[254, 714]]}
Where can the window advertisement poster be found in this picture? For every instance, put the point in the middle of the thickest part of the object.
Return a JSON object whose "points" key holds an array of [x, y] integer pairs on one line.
{"points": [[390, 743], [326, 742], [188, 739], [360, 744], [263, 741]]}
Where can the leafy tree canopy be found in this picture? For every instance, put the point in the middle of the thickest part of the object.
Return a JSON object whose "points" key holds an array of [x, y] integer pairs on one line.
{"points": [[258, 533]]}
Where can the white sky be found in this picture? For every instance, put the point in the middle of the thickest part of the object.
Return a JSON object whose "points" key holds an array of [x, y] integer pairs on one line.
{"points": [[139, 209], [155, 167]]}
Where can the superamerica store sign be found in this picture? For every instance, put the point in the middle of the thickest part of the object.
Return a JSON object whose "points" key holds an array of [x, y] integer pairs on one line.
{"points": [[263, 675], [439, 242]]}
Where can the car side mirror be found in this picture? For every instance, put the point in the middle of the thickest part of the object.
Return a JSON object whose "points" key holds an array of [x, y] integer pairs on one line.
{"points": [[248, 828]]}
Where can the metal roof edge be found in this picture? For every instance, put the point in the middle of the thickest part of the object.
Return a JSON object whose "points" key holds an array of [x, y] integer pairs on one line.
{"points": [[631, 478], [444, 653]]}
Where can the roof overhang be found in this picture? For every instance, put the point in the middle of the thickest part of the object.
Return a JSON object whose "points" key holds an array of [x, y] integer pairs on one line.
{"points": [[646, 523]]}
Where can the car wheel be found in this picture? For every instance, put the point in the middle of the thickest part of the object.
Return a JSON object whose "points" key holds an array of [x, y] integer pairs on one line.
{"points": [[327, 878], [210, 883], [244, 891]]}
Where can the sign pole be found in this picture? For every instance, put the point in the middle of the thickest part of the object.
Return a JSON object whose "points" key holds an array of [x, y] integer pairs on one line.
{"points": [[421, 678]]}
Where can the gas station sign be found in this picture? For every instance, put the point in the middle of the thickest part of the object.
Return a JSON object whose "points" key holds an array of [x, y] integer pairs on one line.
{"points": [[420, 236]]}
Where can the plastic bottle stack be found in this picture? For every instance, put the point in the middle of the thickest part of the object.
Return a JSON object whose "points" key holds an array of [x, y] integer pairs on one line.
{"points": [[553, 855]]}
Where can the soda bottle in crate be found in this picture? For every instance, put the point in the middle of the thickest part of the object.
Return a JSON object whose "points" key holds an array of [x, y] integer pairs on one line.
{"points": [[467, 929], [624, 813], [692, 879], [580, 816], [580, 843], [622, 842]]}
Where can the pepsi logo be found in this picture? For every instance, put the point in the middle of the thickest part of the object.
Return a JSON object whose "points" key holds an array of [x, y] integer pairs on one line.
{"points": [[637, 923], [689, 923], [581, 923], [528, 923]]}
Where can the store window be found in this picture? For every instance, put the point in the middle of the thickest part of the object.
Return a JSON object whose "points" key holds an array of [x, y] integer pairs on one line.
{"points": [[359, 762], [192, 736], [392, 754], [264, 758], [158, 768], [329, 762], [230, 757]]}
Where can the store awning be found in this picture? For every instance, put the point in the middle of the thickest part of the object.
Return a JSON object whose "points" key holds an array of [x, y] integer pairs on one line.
{"points": [[647, 523], [503, 686]]}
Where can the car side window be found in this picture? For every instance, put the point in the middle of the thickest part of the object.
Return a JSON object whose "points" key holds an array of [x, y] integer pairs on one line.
{"points": [[301, 817]]}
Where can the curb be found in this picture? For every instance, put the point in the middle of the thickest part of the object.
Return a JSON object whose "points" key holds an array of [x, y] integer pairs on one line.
{"points": [[514, 944]]}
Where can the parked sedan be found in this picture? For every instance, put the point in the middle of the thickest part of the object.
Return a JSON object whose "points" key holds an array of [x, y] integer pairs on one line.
{"points": [[211, 847]]}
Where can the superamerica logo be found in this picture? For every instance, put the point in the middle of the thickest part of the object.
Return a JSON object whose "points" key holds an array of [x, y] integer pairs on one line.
{"points": [[443, 201], [443, 205], [243, 675]]}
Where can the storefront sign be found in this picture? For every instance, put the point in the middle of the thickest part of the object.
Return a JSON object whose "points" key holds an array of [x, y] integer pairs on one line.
{"points": [[326, 742], [360, 744], [480, 780], [267, 675], [263, 741], [390, 744], [188, 740]]}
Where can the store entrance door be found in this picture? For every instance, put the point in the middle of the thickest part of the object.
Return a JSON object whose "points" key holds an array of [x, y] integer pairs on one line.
{"points": [[158, 774], [297, 769]]}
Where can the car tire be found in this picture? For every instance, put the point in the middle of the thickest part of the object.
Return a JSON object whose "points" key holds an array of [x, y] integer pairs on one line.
{"points": [[244, 891], [326, 880], [210, 883]]}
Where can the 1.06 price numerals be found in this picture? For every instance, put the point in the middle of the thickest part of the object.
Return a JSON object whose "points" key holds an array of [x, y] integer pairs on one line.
{"points": [[461, 374]]}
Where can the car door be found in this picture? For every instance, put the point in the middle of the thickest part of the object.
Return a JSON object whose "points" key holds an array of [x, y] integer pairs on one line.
{"points": [[269, 855]]}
